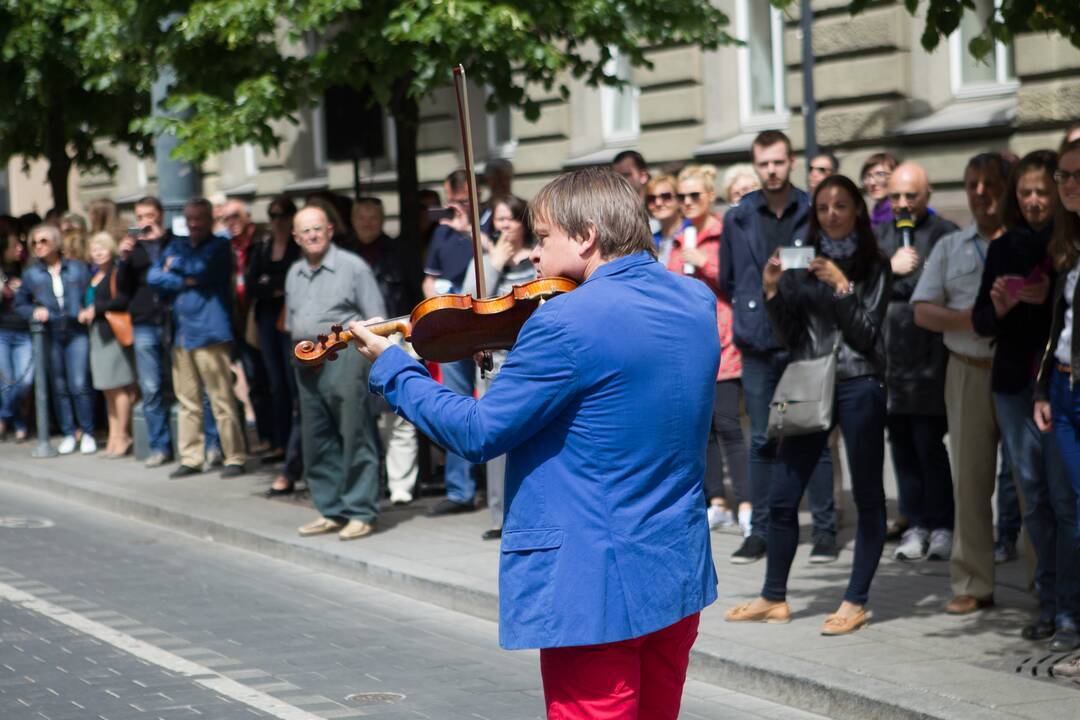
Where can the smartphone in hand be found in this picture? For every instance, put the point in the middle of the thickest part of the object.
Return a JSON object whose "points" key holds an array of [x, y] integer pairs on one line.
{"points": [[796, 258]]}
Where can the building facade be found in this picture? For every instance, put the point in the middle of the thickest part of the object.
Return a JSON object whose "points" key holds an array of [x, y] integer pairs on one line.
{"points": [[876, 89]]}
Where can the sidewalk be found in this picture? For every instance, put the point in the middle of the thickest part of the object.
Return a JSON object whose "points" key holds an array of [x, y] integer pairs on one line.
{"points": [[913, 661]]}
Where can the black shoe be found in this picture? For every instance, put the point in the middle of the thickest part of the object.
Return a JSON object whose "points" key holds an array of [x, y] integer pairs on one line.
{"points": [[824, 550], [184, 471], [492, 534], [1066, 639], [230, 471], [752, 550], [1039, 630], [450, 507], [896, 529], [277, 492]]}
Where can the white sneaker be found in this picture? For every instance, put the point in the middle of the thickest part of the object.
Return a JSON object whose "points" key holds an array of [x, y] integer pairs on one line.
{"points": [[67, 445], [87, 446], [940, 545], [912, 544], [400, 498], [719, 517]]}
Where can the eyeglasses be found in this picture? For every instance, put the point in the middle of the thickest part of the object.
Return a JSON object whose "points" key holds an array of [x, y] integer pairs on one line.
{"points": [[880, 175], [691, 196], [1063, 176], [313, 230], [661, 197]]}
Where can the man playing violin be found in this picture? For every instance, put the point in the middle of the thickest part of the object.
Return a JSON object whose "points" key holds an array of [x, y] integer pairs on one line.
{"points": [[605, 561]]}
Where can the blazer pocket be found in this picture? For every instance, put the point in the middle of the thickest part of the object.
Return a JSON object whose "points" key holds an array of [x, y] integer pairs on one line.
{"points": [[534, 539]]}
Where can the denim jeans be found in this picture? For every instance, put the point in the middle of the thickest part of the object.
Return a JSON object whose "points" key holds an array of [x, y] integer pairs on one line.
{"points": [[761, 372], [860, 411], [1064, 492], [69, 372], [152, 368], [1009, 519], [277, 351], [460, 486], [16, 375], [921, 464]]}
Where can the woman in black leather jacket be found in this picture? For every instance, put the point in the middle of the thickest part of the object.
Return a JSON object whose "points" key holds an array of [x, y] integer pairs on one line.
{"points": [[840, 301]]}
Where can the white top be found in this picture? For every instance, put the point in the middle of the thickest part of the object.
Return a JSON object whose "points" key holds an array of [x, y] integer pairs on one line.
{"points": [[951, 278], [57, 285], [1063, 351]]}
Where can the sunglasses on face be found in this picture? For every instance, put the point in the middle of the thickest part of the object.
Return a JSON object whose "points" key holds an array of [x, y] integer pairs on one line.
{"points": [[659, 197], [40, 241], [691, 196]]}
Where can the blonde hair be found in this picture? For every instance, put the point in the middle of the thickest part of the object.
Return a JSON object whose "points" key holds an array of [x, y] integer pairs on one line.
{"points": [[49, 230], [104, 239], [735, 172], [705, 174], [661, 179]]}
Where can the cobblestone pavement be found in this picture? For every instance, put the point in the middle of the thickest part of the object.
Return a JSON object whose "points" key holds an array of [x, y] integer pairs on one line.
{"points": [[107, 618]]}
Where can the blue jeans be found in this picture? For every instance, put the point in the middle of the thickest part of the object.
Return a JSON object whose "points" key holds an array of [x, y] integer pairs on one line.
{"points": [[152, 367], [460, 377], [16, 375], [277, 350], [921, 464], [860, 411], [69, 371], [760, 374], [1063, 488], [1009, 519]]}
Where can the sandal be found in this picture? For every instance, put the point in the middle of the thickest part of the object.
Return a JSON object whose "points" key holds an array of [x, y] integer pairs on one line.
{"points": [[775, 614], [837, 624]]}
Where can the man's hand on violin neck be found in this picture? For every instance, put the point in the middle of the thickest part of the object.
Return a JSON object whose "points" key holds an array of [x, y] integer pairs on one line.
{"points": [[368, 343]]}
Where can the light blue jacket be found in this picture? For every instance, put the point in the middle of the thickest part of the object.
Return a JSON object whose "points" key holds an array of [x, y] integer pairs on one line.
{"points": [[604, 406]]}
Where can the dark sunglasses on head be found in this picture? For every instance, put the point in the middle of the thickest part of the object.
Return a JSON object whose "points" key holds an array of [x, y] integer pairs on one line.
{"points": [[692, 196], [664, 196]]}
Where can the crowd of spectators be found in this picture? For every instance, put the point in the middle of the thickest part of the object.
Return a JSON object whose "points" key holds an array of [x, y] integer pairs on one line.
{"points": [[941, 333]]}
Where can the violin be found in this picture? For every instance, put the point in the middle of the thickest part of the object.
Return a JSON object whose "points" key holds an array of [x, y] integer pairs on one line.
{"points": [[447, 328]]}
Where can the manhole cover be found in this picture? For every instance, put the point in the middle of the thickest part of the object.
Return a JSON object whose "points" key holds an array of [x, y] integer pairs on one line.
{"points": [[1042, 666], [375, 698], [24, 522]]}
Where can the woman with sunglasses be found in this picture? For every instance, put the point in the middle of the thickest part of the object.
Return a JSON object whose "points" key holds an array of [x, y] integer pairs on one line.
{"points": [[53, 292], [268, 264], [696, 252], [837, 305], [665, 209]]}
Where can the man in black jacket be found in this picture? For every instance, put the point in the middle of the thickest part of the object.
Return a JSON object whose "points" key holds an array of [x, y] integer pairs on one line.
{"points": [[916, 376]]}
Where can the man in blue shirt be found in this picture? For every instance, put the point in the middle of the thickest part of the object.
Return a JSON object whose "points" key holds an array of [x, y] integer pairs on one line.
{"points": [[196, 273], [603, 406]]}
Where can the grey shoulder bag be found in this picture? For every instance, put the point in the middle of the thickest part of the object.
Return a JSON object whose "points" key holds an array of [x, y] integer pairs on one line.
{"points": [[803, 400]]}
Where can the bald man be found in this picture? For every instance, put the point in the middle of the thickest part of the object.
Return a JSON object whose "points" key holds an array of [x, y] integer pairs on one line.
{"points": [[331, 286], [916, 376]]}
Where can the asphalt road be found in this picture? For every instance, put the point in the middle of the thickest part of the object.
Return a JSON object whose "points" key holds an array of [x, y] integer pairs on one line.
{"points": [[104, 618]]}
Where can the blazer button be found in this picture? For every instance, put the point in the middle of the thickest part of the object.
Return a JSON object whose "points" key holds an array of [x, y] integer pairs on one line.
{"points": [[798, 242], [752, 304]]}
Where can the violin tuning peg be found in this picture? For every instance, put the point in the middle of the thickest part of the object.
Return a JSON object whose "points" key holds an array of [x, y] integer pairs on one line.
{"points": [[322, 339], [336, 329]]}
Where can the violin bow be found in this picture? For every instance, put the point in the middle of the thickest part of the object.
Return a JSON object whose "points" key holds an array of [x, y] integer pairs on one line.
{"points": [[461, 93]]}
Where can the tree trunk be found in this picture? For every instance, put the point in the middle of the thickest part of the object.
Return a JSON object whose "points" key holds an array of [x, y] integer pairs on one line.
{"points": [[406, 114], [59, 161]]}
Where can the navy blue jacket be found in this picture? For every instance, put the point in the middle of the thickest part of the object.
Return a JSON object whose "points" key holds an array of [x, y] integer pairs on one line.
{"points": [[743, 254], [37, 291], [199, 281]]}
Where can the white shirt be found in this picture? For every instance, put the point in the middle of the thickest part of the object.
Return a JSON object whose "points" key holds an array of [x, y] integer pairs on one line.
{"points": [[57, 285], [1063, 351]]}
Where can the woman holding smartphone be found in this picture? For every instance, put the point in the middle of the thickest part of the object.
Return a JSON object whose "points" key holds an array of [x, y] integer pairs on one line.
{"points": [[1014, 306], [836, 305]]}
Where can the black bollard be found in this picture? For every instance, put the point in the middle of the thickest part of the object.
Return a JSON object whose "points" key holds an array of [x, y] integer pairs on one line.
{"points": [[41, 393]]}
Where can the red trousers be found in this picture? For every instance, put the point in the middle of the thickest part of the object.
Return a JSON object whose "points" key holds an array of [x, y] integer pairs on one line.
{"points": [[637, 679]]}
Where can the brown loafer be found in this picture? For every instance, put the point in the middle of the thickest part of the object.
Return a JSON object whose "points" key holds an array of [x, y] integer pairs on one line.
{"points": [[777, 613], [837, 624], [967, 604]]}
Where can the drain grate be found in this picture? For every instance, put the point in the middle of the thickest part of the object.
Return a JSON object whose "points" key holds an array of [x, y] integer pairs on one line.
{"points": [[1042, 667], [375, 698]]}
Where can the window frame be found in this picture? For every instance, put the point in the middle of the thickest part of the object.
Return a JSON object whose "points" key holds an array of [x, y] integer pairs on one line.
{"points": [[609, 96], [1002, 84], [781, 115], [498, 149]]}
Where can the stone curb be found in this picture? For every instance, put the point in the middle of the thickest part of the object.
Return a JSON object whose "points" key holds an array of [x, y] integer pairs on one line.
{"points": [[778, 678]]}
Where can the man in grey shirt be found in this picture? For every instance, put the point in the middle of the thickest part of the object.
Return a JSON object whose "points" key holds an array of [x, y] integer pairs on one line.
{"points": [[331, 286]]}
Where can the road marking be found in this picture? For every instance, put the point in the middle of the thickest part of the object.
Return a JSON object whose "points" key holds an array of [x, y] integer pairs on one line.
{"points": [[199, 674]]}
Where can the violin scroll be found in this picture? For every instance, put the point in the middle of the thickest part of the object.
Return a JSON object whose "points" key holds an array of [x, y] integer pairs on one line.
{"points": [[325, 347]]}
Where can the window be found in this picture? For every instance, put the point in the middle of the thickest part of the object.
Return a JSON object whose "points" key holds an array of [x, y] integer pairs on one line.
{"points": [[501, 141], [353, 128], [761, 64], [619, 105], [971, 77]]}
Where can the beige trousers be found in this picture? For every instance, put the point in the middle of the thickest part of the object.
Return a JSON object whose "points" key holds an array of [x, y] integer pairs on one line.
{"points": [[193, 370], [973, 444]]}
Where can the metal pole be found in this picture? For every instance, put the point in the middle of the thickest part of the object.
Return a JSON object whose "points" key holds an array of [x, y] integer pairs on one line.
{"points": [[806, 19], [178, 181], [41, 393]]}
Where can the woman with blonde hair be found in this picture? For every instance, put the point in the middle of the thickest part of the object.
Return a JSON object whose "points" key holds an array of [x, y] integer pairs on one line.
{"points": [[104, 217], [112, 365], [665, 208], [696, 252], [73, 233]]}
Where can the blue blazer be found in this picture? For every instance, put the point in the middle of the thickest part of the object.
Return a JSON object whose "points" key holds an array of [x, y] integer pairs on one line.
{"points": [[743, 254], [603, 405]]}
